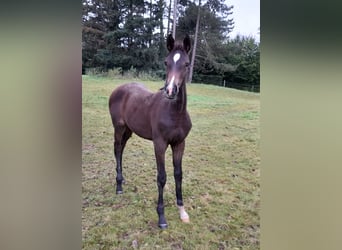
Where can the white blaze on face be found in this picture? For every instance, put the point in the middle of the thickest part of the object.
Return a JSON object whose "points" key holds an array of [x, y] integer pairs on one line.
{"points": [[176, 57], [170, 86]]}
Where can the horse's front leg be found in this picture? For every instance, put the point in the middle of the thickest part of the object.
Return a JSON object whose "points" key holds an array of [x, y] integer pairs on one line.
{"points": [[177, 155], [159, 149]]}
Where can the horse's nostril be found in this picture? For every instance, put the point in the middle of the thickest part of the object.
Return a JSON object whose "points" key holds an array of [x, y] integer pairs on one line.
{"points": [[174, 90]]}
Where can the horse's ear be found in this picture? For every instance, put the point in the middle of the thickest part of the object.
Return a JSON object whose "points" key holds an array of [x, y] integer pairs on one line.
{"points": [[187, 43], [170, 42]]}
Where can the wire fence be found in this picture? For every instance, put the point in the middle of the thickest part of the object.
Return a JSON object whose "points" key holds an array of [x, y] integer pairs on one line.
{"points": [[219, 81], [241, 86]]}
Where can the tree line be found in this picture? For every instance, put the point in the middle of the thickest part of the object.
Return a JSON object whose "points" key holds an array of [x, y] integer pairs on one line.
{"points": [[131, 34]]}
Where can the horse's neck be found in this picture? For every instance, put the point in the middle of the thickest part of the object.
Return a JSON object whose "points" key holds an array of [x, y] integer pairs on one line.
{"points": [[182, 98]]}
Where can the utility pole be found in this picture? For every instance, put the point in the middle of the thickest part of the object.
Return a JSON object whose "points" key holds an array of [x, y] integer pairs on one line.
{"points": [[195, 43], [174, 18]]}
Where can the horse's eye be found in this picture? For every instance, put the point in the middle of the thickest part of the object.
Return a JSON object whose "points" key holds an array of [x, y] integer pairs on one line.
{"points": [[187, 64], [165, 63]]}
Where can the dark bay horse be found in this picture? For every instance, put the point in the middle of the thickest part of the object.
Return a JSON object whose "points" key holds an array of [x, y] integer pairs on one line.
{"points": [[161, 117]]}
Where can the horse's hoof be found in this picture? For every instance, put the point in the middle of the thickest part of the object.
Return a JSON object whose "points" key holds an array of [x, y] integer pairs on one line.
{"points": [[185, 220], [119, 192], [162, 226], [185, 217], [183, 214]]}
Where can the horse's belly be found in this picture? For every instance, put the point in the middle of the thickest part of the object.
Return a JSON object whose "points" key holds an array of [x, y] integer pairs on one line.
{"points": [[141, 130], [139, 122]]}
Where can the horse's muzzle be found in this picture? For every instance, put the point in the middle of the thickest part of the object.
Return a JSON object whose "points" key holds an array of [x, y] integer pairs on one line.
{"points": [[171, 91]]}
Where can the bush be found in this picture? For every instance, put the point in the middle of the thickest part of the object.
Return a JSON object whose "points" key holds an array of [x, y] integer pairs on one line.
{"points": [[95, 72], [149, 76], [115, 73], [131, 73]]}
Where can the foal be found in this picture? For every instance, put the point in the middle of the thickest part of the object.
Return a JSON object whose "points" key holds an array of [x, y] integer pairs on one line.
{"points": [[161, 117]]}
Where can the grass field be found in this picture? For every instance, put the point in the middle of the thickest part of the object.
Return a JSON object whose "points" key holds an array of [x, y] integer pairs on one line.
{"points": [[221, 175]]}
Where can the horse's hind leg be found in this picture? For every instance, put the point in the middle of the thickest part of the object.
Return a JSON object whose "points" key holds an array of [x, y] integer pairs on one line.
{"points": [[121, 135]]}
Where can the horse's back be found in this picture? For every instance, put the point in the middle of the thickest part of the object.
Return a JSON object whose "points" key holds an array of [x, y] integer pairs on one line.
{"points": [[127, 91]]}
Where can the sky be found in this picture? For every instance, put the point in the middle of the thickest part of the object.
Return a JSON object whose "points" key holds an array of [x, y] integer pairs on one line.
{"points": [[246, 15]]}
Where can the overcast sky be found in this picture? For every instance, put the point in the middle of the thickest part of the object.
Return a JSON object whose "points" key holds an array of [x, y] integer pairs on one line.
{"points": [[246, 15]]}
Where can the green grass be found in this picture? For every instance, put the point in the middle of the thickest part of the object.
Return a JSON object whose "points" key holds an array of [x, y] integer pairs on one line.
{"points": [[221, 175]]}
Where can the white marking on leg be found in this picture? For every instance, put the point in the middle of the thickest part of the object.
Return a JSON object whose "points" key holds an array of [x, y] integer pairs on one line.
{"points": [[176, 57], [170, 87], [183, 214]]}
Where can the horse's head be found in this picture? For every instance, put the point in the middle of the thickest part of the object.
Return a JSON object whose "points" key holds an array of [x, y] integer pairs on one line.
{"points": [[177, 65]]}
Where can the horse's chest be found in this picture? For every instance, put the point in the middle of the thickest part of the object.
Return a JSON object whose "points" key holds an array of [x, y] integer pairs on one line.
{"points": [[175, 129]]}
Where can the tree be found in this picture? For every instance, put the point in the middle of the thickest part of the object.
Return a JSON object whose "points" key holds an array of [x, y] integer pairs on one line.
{"points": [[123, 33], [98, 17], [244, 53], [208, 35], [130, 33]]}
